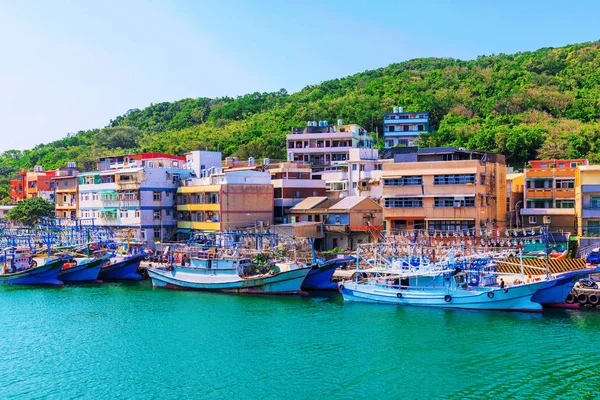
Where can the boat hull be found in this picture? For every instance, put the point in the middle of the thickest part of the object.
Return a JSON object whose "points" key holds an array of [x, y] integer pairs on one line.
{"points": [[122, 270], [287, 282], [555, 292], [44, 275], [319, 277], [516, 298], [86, 271]]}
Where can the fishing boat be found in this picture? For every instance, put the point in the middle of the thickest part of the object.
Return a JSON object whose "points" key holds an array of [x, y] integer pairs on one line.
{"points": [[444, 289], [122, 268], [319, 277], [555, 292], [82, 269], [19, 268], [235, 275]]}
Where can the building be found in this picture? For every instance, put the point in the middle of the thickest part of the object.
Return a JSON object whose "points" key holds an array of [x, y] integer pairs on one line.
{"points": [[225, 201], [4, 210], [515, 183], [292, 183], [347, 222], [587, 200], [444, 189], [65, 191], [323, 144], [402, 128], [134, 192], [360, 175], [18, 187], [549, 195]]}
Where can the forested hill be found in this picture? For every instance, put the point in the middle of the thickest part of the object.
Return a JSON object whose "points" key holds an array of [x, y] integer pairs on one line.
{"points": [[544, 103]]}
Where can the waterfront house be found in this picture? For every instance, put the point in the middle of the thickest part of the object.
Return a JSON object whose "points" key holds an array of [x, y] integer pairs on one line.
{"points": [[514, 199], [346, 222], [587, 200], [134, 193], [549, 195], [444, 189], [402, 128], [65, 189]]}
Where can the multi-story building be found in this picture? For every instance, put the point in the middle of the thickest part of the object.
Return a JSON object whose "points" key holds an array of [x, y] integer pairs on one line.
{"points": [[444, 189], [225, 201], [134, 192], [402, 128], [36, 183], [587, 200], [360, 175], [514, 198], [4, 210], [549, 196], [18, 187], [347, 222], [323, 144], [292, 183], [65, 191]]}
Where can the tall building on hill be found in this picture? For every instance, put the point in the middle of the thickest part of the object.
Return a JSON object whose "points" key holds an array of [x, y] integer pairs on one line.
{"points": [[65, 187], [321, 144], [402, 128]]}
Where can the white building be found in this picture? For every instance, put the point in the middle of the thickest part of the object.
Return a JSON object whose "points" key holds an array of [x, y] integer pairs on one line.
{"points": [[135, 192], [4, 210]]}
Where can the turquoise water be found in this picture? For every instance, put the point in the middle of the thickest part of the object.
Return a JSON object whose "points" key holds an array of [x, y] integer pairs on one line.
{"points": [[135, 342]]}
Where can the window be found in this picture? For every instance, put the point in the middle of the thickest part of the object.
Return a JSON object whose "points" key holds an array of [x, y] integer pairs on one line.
{"points": [[310, 218], [565, 183], [338, 219], [454, 179], [539, 183], [406, 202], [561, 165], [123, 213], [175, 164], [143, 234], [405, 128], [447, 202], [565, 203], [156, 233], [168, 212], [297, 194], [533, 220], [277, 193], [544, 165], [168, 194], [354, 167], [137, 213], [594, 202], [420, 127], [354, 185], [156, 196], [404, 181], [539, 203], [156, 214], [391, 128], [482, 179], [451, 225], [314, 194]]}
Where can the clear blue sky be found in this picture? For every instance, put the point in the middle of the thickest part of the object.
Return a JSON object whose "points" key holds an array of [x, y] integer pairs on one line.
{"points": [[74, 65]]}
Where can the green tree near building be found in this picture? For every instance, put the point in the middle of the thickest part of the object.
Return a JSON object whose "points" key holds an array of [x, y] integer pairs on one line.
{"points": [[29, 211]]}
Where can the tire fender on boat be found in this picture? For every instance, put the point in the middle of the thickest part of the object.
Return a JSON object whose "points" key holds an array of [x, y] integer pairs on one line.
{"points": [[399, 295], [490, 295], [594, 299], [582, 298], [570, 299], [447, 298], [33, 263], [341, 287]]}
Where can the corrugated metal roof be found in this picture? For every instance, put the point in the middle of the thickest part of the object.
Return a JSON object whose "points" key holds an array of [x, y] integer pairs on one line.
{"points": [[309, 203], [347, 203]]}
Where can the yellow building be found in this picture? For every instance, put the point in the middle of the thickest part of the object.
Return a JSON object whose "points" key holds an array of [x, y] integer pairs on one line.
{"points": [[225, 201], [444, 189], [587, 200]]}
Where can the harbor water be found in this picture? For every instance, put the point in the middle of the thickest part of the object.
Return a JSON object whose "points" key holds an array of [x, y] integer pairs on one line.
{"points": [[131, 341]]}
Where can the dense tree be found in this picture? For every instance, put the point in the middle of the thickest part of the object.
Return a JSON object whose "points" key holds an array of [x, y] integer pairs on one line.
{"points": [[544, 103], [31, 210]]}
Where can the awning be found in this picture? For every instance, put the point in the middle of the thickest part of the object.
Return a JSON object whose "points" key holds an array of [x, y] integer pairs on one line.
{"points": [[183, 231]]}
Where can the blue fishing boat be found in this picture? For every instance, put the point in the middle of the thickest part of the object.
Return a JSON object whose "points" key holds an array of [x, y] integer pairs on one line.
{"points": [[555, 291], [82, 269], [122, 268], [319, 277], [231, 275], [19, 268]]}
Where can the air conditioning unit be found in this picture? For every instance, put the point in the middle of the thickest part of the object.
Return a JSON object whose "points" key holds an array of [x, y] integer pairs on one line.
{"points": [[457, 204], [547, 219]]}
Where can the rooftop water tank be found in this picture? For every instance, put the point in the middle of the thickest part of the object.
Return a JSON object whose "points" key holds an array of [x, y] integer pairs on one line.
{"points": [[400, 109], [340, 122], [250, 161], [396, 110], [266, 161]]}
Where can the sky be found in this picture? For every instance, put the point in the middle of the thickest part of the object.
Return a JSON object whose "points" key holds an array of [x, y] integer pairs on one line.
{"points": [[74, 65]]}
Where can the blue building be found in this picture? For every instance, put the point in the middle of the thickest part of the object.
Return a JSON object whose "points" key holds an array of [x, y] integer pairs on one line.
{"points": [[403, 128]]}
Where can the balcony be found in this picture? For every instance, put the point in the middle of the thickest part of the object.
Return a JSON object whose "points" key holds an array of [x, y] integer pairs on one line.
{"points": [[199, 207], [549, 193], [406, 121], [549, 172], [199, 226], [590, 213]]}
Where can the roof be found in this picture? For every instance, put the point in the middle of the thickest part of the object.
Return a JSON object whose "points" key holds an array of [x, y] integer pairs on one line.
{"points": [[309, 203], [510, 177], [347, 203], [589, 167]]}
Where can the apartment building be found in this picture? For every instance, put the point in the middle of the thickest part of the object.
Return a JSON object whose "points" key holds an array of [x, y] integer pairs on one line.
{"points": [[549, 194], [322, 144], [444, 189], [292, 183], [360, 175], [135, 192], [65, 191], [402, 128], [225, 201], [587, 200]]}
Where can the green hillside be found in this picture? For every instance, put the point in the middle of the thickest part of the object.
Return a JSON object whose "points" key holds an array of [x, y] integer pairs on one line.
{"points": [[544, 103]]}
